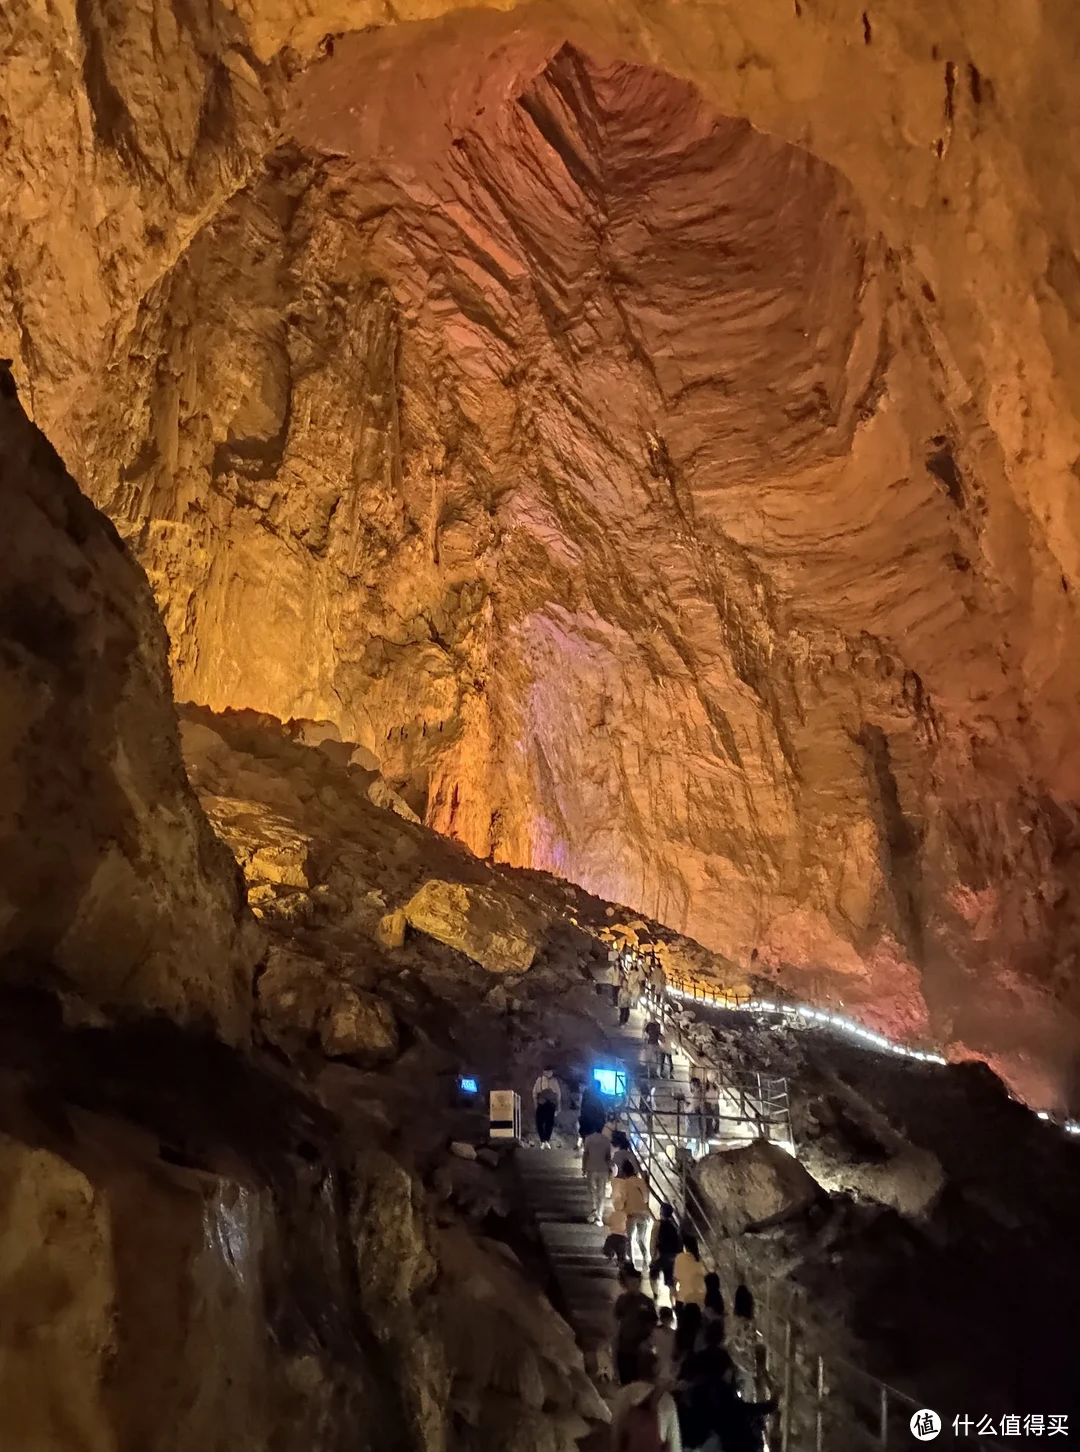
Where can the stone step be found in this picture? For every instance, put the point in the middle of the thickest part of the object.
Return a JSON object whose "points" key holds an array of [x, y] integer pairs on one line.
{"points": [[560, 1201]]}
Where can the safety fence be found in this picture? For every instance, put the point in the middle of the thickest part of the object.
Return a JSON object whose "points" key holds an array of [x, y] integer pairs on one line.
{"points": [[824, 1400], [752, 1104]]}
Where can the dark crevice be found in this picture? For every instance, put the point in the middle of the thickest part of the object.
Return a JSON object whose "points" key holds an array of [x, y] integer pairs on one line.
{"points": [[867, 32], [975, 83], [950, 90], [943, 467], [109, 115], [899, 840]]}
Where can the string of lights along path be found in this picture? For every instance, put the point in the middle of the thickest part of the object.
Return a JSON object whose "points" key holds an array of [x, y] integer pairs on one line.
{"points": [[831, 1020]]}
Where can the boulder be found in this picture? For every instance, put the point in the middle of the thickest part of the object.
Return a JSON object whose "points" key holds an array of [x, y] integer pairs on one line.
{"points": [[390, 932], [462, 1150], [908, 1181], [355, 1024], [492, 928], [300, 996], [754, 1184], [363, 758], [381, 794]]}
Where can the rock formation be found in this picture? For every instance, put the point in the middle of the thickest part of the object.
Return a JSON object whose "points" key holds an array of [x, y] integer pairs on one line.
{"points": [[650, 434], [207, 1243], [242, 1202], [839, 570], [114, 889]]}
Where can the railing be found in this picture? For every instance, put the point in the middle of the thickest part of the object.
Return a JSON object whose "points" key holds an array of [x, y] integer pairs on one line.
{"points": [[758, 1099], [824, 1400]]}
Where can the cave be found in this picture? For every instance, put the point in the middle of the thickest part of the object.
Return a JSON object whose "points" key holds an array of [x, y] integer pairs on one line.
{"points": [[495, 494]]}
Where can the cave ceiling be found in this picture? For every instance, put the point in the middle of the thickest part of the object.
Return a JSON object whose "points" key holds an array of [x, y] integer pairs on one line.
{"points": [[650, 434]]}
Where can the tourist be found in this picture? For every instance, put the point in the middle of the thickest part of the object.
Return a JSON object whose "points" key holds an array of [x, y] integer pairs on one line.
{"points": [[621, 1153], [547, 1100], [667, 1058], [616, 1245], [592, 1116], [695, 1131], [635, 1317], [711, 1105], [630, 1194], [596, 1168], [687, 1332], [713, 1417], [689, 1274], [651, 1057], [714, 1300], [658, 979], [644, 1417], [743, 1340], [663, 1339], [666, 1245], [606, 977], [625, 1001]]}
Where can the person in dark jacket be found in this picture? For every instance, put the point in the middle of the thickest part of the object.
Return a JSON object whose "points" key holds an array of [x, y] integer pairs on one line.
{"points": [[666, 1244], [714, 1299], [712, 1415], [635, 1317], [687, 1331]]}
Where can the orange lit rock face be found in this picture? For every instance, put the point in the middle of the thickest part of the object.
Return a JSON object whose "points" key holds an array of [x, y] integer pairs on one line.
{"points": [[588, 457]]}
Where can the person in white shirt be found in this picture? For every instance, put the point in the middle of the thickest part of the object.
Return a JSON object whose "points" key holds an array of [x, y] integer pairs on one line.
{"points": [[547, 1099], [596, 1167], [644, 1414]]}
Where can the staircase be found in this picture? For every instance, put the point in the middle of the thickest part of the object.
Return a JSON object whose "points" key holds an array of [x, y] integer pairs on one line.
{"points": [[586, 1282]]}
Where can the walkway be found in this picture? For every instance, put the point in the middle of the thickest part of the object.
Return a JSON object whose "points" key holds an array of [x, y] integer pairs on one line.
{"points": [[560, 1201]]}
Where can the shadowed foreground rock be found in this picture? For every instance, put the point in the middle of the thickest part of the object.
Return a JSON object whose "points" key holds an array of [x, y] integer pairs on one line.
{"points": [[112, 885]]}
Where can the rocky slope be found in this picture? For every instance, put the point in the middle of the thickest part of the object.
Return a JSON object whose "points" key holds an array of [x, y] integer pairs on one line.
{"points": [[208, 1244], [926, 1219], [664, 503]]}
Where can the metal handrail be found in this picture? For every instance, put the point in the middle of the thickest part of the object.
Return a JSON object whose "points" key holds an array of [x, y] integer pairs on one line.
{"points": [[769, 1099], [808, 1381]]}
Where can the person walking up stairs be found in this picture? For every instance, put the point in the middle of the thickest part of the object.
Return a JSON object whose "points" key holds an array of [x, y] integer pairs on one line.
{"points": [[547, 1099]]}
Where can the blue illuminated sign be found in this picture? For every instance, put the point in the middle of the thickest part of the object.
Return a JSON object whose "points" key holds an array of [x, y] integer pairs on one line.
{"points": [[468, 1086], [611, 1083]]}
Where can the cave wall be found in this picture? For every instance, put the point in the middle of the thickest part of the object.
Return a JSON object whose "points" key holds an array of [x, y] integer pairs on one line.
{"points": [[115, 890], [424, 438]]}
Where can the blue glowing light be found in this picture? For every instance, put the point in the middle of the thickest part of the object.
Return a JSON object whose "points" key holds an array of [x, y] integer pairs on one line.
{"points": [[468, 1086], [610, 1082]]}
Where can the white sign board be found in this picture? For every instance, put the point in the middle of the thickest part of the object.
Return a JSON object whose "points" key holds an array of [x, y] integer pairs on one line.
{"points": [[504, 1114]]}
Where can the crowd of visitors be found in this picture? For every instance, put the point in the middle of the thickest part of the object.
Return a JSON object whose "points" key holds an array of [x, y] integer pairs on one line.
{"points": [[677, 1364], [680, 1388]]}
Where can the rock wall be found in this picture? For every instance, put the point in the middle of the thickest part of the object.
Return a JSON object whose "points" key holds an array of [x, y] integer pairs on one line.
{"points": [[721, 558], [206, 1257], [113, 889]]}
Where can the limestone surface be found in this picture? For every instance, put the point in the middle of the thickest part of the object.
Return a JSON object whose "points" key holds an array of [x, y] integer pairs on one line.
{"points": [[650, 431], [757, 1183]]}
